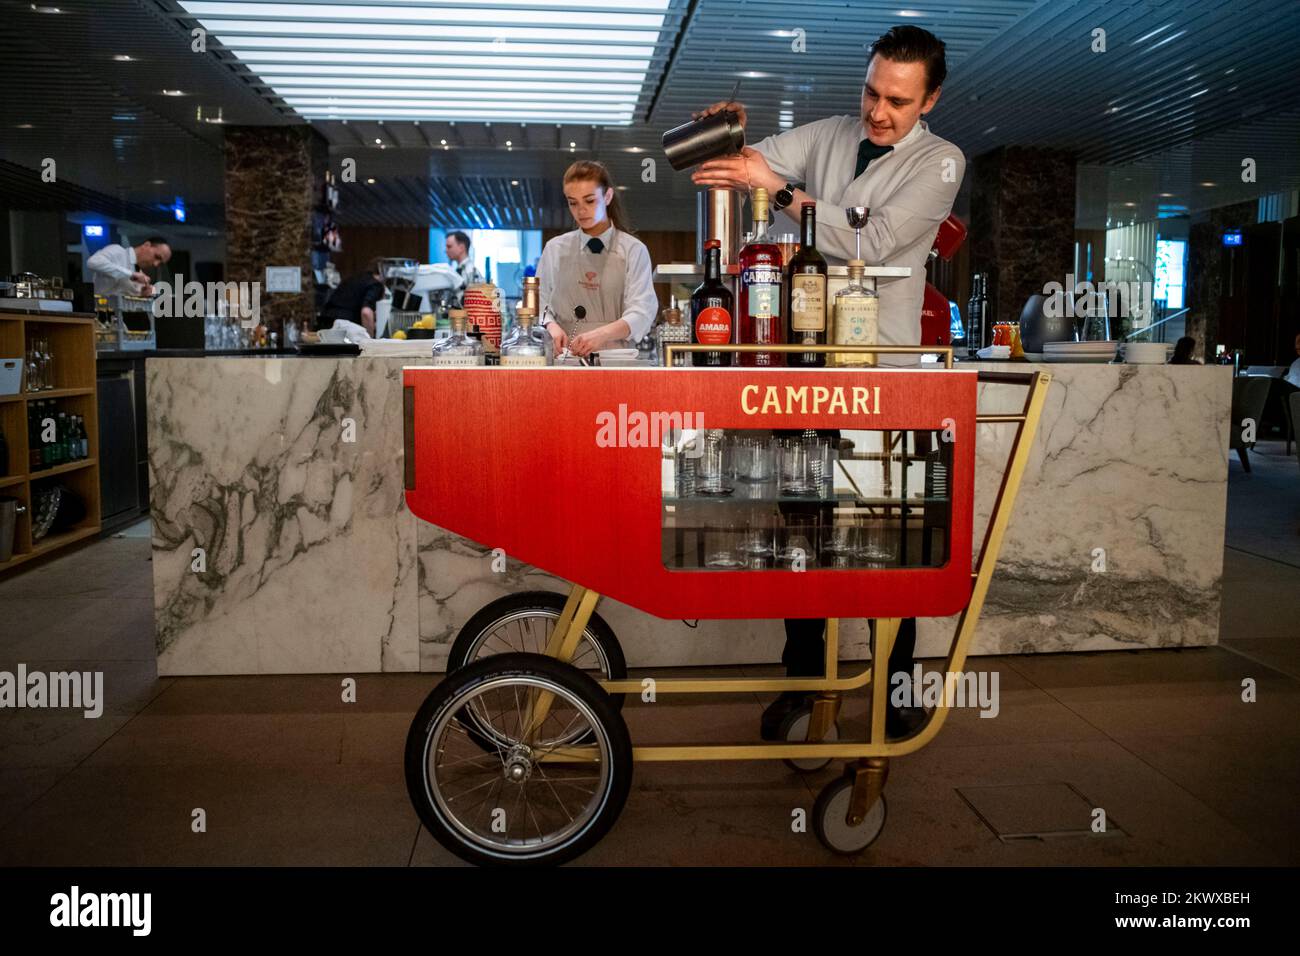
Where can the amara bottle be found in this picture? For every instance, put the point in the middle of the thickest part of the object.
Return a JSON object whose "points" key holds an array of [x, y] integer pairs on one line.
{"points": [[711, 309], [527, 343], [857, 318], [759, 310], [458, 348], [805, 282]]}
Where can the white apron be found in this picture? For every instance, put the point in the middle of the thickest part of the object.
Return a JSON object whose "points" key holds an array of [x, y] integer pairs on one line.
{"points": [[587, 293]]}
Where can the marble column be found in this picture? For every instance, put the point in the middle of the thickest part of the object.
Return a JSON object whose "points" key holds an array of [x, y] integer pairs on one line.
{"points": [[1205, 271], [274, 178], [1022, 223]]}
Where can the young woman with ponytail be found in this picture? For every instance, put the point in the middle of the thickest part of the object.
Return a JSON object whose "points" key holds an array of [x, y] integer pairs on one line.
{"points": [[595, 285]]}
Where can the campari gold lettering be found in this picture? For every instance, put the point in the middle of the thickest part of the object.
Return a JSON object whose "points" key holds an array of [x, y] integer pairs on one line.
{"points": [[810, 399]]}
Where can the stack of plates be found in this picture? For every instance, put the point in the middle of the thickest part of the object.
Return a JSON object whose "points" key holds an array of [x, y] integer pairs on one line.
{"points": [[1146, 353], [1096, 352]]}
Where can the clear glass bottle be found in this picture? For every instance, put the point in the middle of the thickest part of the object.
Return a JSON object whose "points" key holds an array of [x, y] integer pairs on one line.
{"points": [[857, 318], [671, 330], [458, 348], [527, 343]]}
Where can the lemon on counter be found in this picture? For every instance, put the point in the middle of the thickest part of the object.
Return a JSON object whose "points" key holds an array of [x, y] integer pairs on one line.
{"points": [[399, 334]]}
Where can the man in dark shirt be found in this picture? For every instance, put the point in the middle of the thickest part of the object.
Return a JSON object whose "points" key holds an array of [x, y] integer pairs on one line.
{"points": [[355, 299]]}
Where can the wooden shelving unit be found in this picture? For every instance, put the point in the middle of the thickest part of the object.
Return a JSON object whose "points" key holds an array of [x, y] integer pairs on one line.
{"points": [[72, 343]]}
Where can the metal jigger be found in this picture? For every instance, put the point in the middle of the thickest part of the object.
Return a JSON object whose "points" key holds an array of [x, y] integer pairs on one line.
{"points": [[857, 217]]}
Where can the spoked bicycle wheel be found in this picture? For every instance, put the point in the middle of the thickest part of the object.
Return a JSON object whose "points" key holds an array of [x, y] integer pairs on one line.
{"points": [[523, 624], [534, 797]]}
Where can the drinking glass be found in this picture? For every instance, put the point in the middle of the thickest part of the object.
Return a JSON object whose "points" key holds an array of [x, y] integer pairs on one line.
{"points": [[711, 468], [796, 467], [795, 543], [751, 458], [722, 547], [879, 542]]}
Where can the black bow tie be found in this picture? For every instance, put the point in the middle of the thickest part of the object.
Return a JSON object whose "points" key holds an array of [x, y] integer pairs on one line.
{"points": [[595, 245], [867, 151]]}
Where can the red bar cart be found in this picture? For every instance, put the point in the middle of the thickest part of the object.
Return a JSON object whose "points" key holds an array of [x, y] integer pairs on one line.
{"points": [[718, 493]]}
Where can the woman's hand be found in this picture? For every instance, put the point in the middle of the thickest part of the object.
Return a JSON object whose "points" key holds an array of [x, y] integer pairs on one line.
{"points": [[737, 108], [593, 341], [557, 333], [746, 171]]}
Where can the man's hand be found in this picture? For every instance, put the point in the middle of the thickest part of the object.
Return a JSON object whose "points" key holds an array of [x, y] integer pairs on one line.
{"points": [[139, 278], [747, 171], [737, 108]]}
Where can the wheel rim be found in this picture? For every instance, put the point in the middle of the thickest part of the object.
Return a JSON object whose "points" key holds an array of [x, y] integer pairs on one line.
{"points": [[528, 631], [509, 802], [835, 826]]}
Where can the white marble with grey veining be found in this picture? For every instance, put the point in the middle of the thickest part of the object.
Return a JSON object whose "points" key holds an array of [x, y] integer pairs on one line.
{"points": [[316, 565]]}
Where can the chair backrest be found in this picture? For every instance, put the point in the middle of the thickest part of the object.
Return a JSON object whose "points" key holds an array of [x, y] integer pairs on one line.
{"points": [[1249, 394]]}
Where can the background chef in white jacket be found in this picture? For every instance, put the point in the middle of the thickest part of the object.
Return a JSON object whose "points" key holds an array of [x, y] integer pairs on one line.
{"points": [[119, 269], [596, 279]]}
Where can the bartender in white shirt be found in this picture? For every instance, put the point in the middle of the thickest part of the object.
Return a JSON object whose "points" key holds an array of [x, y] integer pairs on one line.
{"points": [[119, 269], [596, 280], [885, 159]]}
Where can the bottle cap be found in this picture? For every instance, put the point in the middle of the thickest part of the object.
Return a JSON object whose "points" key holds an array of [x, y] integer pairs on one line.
{"points": [[857, 263], [713, 244], [525, 315]]}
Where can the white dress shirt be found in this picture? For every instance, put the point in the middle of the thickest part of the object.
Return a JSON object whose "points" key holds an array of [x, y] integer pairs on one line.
{"points": [[113, 267], [640, 304], [909, 190]]}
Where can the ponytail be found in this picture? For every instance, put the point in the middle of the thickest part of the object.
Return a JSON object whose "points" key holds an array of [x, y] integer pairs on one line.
{"points": [[589, 170]]}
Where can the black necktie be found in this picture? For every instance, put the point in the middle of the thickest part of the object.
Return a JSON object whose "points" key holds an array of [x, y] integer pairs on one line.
{"points": [[595, 245], [867, 151]]}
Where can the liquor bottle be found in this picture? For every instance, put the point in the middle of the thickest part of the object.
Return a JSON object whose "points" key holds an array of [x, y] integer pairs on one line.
{"points": [[975, 311], [711, 310], [759, 311], [857, 318], [531, 291], [83, 440], [805, 282], [671, 330], [35, 460], [62, 444], [458, 348], [527, 343]]}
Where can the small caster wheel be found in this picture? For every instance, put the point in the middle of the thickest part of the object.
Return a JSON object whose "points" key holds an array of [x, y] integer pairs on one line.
{"points": [[795, 730], [831, 825]]}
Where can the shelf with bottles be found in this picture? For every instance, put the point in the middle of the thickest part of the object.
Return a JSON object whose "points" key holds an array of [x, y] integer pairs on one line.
{"points": [[59, 433], [736, 499]]}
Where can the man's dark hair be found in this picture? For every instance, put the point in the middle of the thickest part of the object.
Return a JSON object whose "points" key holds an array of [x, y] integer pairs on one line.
{"points": [[460, 237], [156, 241], [909, 44]]}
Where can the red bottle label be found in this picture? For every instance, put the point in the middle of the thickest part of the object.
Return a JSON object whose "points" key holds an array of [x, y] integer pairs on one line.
{"points": [[713, 326]]}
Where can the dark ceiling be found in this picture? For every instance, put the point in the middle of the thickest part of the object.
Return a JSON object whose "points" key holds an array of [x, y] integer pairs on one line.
{"points": [[1182, 94]]}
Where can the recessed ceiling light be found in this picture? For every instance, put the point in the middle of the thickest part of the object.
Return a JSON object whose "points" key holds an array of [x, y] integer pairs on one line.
{"points": [[443, 142], [509, 143], [124, 58], [989, 130], [1166, 195], [41, 8], [349, 48], [378, 141], [635, 149], [572, 144], [370, 181], [1209, 184], [173, 92], [157, 182], [514, 182], [1130, 204], [1199, 93], [26, 126]]}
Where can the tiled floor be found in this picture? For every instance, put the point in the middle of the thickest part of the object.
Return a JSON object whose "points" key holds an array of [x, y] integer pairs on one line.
{"points": [[286, 773]]}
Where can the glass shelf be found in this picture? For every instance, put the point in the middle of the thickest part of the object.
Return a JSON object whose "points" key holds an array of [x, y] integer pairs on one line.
{"points": [[885, 505]]}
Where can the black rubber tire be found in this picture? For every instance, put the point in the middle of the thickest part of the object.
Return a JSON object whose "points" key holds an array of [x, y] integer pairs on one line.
{"points": [[464, 650], [833, 799], [540, 667]]}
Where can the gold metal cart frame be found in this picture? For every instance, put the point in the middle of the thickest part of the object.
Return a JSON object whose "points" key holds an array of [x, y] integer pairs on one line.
{"points": [[871, 756]]}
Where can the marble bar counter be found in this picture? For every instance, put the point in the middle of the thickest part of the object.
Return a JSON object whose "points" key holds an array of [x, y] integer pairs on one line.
{"points": [[282, 543]]}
